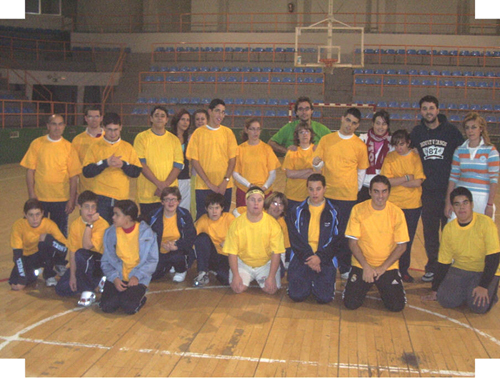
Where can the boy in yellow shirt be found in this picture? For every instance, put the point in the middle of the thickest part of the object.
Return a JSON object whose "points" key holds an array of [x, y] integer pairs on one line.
{"points": [[254, 243], [212, 229], [377, 235], [37, 242], [85, 250], [111, 162]]}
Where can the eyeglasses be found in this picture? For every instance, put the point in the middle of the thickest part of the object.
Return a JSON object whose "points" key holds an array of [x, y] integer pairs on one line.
{"points": [[218, 111], [304, 109], [304, 132], [170, 200], [278, 204], [254, 129]]}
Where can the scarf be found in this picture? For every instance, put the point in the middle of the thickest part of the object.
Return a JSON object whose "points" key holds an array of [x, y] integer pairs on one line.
{"points": [[375, 143]]}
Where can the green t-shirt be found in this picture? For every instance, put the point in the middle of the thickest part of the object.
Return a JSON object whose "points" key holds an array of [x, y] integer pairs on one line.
{"points": [[284, 136]]}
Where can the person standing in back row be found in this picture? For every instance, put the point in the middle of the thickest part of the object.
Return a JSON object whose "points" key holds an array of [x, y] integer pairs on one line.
{"points": [[436, 140]]}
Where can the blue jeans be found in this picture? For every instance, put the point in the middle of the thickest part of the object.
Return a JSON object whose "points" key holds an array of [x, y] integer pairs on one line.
{"points": [[303, 281], [209, 259], [344, 255], [88, 273]]}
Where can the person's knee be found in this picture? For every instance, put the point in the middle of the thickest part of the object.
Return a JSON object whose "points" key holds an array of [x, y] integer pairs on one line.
{"points": [[479, 309], [352, 303], [323, 298], [447, 301], [108, 307], [395, 306]]}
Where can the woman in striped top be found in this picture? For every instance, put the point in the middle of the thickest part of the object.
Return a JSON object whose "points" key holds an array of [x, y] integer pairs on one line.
{"points": [[475, 166]]}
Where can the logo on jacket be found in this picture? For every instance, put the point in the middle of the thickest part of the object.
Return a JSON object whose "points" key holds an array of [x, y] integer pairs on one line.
{"points": [[433, 153]]}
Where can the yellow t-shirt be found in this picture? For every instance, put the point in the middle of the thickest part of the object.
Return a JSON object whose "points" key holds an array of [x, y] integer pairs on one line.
{"points": [[127, 249], [342, 158], [254, 243], [212, 149], [54, 164], [75, 237], [160, 152], [281, 220], [296, 189], [254, 163], [217, 230], [466, 247], [25, 237], [112, 182], [396, 165], [170, 231], [377, 231], [81, 144], [313, 232]]}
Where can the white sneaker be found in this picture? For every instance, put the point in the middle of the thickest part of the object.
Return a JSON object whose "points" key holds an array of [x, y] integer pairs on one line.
{"points": [[201, 280], [180, 277], [87, 298], [172, 270], [51, 281], [101, 284]]}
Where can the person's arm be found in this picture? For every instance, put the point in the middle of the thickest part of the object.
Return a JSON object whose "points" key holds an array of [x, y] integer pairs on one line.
{"points": [[73, 184], [361, 178], [397, 181], [491, 200], [131, 170], [448, 208], [439, 275], [299, 173], [203, 175], [229, 172], [480, 292], [277, 147], [237, 282], [188, 234], [30, 182], [270, 180], [240, 179], [270, 286], [300, 245], [318, 164], [369, 274], [94, 169], [393, 257]]}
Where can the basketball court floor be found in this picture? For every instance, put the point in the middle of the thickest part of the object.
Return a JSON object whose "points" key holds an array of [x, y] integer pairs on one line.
{"points": [[186, 331]]}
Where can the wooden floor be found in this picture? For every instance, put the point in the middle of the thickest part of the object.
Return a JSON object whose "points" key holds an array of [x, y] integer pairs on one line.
{"points": [[183, 331]]}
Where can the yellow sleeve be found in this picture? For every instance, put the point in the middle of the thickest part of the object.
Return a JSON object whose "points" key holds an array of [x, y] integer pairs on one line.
{"points": [[133, 159], [354, 225], [30, 158], [74, 165], [418, 167], [201, 225], [319, 150], [277, 241], [272, 161], [90, 155], [74, 236], [400, 227], [288, 162], [98, 234], [232, 144], [231, 242], [178, 154], [139, 145], [363, 162], [491, 238], [192, 148], [239, 151], [387, 167], [445, 255], [16, 237]]}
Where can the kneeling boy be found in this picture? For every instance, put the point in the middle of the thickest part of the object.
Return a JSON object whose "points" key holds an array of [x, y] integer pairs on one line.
{"points": [[212, 229], [37, 242], [314, 237], [254, 243], [85, 244]]}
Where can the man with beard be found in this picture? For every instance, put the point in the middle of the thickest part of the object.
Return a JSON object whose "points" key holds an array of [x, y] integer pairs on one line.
{"points": [[435, 139]]}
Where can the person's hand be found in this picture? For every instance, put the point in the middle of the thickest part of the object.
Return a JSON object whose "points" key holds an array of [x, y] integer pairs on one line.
{"points": [[72, 282], [488, 211], [378, 272], [429, 297], [222, 187], [237, 284], [169, 246], [212, 187], [314, 262], [480, 295], [134, 281], [70, 206], [317, 160], [448, 210], [369, 274], [270, 286], [42, 237], [119, 284], [115, 161], [293, 147], [94, 218]]}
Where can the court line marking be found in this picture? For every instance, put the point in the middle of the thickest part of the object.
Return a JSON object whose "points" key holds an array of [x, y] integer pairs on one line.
{"points": [[17, 337]]}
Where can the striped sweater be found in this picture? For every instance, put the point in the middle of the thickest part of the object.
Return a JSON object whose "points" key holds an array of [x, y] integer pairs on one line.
{"points": [[475, 168]]}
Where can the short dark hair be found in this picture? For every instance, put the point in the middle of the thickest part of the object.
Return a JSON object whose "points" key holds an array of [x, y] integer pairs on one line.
{"points": [[428, 98], [31, 204], [111, 118], [129, 208], [380, 178], [200, 111], [171, 190], [384, 114], [87, 196], [460, 191], [215, 198], [303, 125], [400, 135], [49, 118], [317, 177], [271, 198], [90, 108], [354, 112], [215, 102], [159, 107], [302, 99]]}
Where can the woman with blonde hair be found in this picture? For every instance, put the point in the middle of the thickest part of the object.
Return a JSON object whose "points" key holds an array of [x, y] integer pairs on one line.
{"points": [[475, 166]]}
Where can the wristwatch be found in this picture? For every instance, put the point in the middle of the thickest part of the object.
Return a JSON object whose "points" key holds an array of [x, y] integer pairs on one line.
{"points": [[226, 178], [91, 226]]}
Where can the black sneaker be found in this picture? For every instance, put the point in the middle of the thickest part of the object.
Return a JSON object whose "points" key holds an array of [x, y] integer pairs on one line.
{"points": [[407, 278], [428, 277]]}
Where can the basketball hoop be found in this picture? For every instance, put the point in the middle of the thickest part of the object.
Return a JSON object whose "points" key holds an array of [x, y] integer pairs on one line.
{"points": [[328, 64]]}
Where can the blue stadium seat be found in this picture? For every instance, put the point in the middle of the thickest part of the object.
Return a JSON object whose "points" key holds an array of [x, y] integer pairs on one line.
{"points": [[405, 105], [463, 107], [393, 104], [487, 108], [270, 113], [282, 113], [272, 101], [491, 119], [250, 101], [261, 101]]}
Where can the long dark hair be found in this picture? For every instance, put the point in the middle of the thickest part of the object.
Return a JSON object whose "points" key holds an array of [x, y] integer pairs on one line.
{"points": [[175, 120]]}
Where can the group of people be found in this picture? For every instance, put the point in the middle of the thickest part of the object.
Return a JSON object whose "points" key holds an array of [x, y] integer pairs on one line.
{"points": [[350, 204]]}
